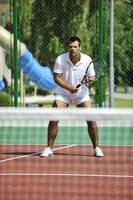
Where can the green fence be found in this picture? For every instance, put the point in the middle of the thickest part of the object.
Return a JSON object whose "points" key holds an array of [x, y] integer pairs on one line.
{"points": [[46, 25]]}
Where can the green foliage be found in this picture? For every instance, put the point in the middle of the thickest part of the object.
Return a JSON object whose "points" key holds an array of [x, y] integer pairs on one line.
{"points": [[123, 43], [25, 16], [29, 90], [51, 23], [4, 99]]}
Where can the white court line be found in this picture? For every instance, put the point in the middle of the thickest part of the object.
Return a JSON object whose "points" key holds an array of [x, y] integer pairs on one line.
{"points": [[64, 147], [32, 154], [73, 175]]}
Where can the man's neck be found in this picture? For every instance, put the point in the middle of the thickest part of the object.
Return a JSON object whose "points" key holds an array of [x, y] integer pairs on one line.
{"points": [[75, 59]]}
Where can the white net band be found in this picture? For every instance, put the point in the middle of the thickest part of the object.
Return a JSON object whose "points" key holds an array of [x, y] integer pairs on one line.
{"points": [[97, 114]]}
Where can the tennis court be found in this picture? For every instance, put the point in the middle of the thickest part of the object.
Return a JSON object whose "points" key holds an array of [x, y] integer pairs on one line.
{"points": [[73, 172]]}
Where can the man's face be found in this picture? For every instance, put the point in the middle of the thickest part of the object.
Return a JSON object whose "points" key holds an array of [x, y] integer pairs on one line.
{"points": [[74, 48]]}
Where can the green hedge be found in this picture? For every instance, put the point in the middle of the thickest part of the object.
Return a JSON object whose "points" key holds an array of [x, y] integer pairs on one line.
{"points": [[4, 99]]}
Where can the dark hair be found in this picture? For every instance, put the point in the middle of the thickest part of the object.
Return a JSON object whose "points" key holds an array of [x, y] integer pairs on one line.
{"points": [[73, 39]]}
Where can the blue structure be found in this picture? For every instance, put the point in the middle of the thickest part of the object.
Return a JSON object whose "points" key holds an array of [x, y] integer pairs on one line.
{"points": [[40, 75], [2, 85]]}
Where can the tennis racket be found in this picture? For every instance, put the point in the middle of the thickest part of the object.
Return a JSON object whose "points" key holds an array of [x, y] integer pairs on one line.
{"points": [[99, 73]]}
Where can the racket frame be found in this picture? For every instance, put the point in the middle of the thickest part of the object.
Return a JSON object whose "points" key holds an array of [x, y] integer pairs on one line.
{"points": [[98, 78]]}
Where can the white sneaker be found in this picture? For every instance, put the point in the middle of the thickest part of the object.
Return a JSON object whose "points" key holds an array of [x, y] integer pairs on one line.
{"points": [[98, 152], [47, 152]]}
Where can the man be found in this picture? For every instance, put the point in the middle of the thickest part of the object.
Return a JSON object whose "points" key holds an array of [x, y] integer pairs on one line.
{"points": [[69, 68]]}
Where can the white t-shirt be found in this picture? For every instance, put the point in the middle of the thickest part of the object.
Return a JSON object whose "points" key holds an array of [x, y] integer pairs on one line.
{"points": [[73, 74]]}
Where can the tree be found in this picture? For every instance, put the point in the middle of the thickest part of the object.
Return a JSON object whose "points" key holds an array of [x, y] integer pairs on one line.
{"points": [[123, 43]]}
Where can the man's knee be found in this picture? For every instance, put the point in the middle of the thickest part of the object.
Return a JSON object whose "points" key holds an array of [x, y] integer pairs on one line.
{"points": [[53, 124], [92, 124]]}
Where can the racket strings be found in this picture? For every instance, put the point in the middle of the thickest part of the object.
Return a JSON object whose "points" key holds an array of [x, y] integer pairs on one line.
{"points": [[99, 73]]}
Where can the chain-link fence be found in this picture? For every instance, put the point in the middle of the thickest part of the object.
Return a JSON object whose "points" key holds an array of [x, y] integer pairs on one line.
{"points": [[44, 26]]}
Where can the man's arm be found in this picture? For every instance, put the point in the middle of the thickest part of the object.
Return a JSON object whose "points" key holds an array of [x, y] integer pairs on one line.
{"points": [[63, 84]]}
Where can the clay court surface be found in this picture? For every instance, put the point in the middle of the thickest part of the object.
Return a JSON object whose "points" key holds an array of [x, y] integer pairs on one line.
{"points": [[71, 174]]}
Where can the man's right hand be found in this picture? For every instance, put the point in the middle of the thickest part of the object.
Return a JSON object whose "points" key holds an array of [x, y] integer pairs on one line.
{"points": [[73, 89]]}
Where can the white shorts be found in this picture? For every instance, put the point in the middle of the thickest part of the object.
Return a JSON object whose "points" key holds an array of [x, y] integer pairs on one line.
{"points": [[72, 98]]}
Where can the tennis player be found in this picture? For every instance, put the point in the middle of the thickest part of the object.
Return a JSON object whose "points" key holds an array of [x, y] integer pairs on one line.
{"points": [[69, 69]]}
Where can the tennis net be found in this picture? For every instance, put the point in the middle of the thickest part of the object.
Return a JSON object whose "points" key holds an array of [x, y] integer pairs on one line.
{"points": [[72, 172]]}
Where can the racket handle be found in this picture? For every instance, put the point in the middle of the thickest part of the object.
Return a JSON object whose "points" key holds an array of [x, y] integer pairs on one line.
{"points": [[78, 85]]}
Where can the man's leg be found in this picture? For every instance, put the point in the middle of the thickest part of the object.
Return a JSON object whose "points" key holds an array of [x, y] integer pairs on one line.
{"points": [[52, 133], [53, 125], [92, 126], [52, 130], [92, 130]]}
